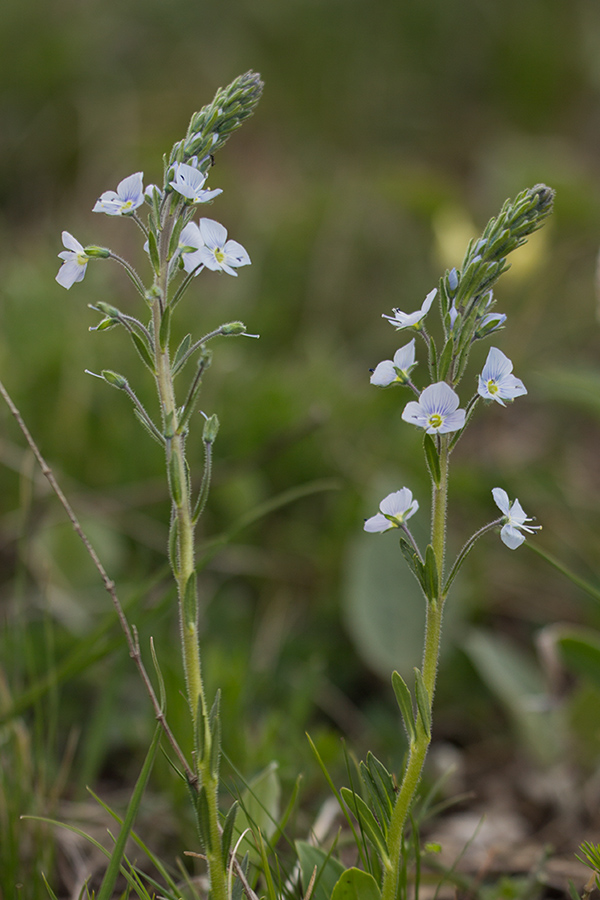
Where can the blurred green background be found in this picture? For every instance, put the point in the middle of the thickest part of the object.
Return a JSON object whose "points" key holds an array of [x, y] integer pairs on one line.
{"points": [[388, 133]]}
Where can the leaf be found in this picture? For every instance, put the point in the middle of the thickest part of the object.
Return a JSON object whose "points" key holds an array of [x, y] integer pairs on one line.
{"points": [[518, 684], [367, 821], [432, 586], [355, 884], [404, 699], [259, 810], [329, 870], [432, 458], [423, 702]]}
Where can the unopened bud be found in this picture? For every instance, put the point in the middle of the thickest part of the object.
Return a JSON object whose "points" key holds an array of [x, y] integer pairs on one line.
{"points": [[114, 379], [97, 252], [211, 429], [233, 328]]}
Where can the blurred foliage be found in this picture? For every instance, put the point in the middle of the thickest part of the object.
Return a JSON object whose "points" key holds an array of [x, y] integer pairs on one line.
{"points": [[388, 134]]}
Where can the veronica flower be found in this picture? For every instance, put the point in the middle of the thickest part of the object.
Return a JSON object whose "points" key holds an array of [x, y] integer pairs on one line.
{"points": [[218, 253], [412, 320], [396, 370], [514, 520], [496, 381], [189, 183], [75, 261], [395, 509], [128, 196], [190, 237], [436, 410]]}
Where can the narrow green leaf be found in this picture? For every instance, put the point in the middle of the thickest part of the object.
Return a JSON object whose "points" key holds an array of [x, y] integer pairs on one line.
{"points": [[355, 884], [144, 422], [165, 329], [190, 602], [112, 873], [175, 485], [432, 458], [142, 348], [383, 780], [153, 249], [228, 830], [203, 818], [175, 234], [432, 586], [174, 545], [446, 359], [179, 358], [404, 700], [367, 821], [423, 702]]}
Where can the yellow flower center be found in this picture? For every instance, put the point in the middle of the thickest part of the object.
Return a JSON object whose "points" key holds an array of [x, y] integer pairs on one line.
{"points": [[435, 420], [492, 386], [219, 255]]}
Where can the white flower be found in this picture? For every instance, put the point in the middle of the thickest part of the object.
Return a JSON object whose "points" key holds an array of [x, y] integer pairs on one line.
{"points": [[189, 182], [395, 509], [407, 320], [190, 237], [218, 253], [514, 519], [496, 381], [388, 371], [75, 261], [436, 410], [128, 196]]}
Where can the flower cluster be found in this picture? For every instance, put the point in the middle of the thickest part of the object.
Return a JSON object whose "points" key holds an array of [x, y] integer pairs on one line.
{"points": [[202, 245], [466, 302]]}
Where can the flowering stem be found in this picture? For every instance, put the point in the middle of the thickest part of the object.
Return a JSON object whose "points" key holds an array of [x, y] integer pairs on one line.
{"points": [[419, 744], [184, 570]]}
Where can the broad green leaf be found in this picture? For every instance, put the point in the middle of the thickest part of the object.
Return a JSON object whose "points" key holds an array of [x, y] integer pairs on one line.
{"points": [[259, 810], [328, 868], [355, 884]]}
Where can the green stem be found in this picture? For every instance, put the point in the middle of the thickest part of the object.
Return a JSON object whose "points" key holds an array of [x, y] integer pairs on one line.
{"points": [[185, 576], [431, 651]]}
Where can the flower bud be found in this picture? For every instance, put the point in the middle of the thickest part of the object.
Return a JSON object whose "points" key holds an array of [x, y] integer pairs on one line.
{"points": [[114, 379], [233, 328], [211, 429], [97, 252]]}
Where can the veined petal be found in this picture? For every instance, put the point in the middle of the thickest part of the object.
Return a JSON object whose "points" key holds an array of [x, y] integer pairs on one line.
{"points": [[384, 373], [452, 422], [71, 243], [404, 358], [377, 523], [439, 398], [213, 233], [235, 251], [511, 536], [501, 500]]}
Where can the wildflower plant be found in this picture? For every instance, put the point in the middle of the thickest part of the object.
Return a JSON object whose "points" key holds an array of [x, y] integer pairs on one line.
{"points": [[179, 248], [465, 302]]}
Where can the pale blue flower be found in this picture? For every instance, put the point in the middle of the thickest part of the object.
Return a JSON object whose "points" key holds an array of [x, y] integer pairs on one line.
{"points": [[490, 323], [217, 253], [190, 237], [514, 520], [189, 182], [496, 381], [396, 370], [395, 509], [75, 261], [453, 280], [436, 410], [125, 200], [412, 320]]}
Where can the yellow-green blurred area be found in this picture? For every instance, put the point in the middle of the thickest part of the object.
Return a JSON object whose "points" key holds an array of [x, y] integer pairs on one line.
{"points": [[389, 132]]}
